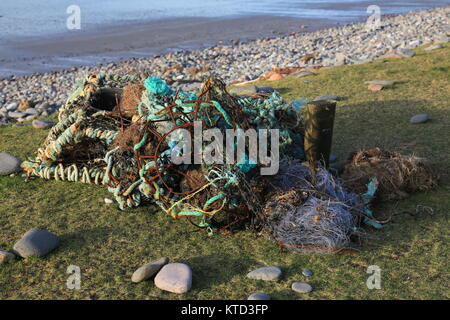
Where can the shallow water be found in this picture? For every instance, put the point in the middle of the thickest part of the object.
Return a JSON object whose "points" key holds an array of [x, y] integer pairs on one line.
{"points": [[25, 18]]}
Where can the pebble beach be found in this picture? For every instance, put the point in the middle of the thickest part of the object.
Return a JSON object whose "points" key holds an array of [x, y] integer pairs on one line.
{"points": [[35, 96]]}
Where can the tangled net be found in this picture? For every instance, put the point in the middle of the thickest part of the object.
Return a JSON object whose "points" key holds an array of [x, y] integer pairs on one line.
{"points": [[122, 135], [311, 210], [122, 132], [397, 174]]}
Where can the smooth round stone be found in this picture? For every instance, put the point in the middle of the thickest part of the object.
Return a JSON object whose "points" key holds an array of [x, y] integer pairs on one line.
{"points": [[259, 296], [109, 201], [174, 277], [36, 243], [42, 124], [419, 118], [307, 273], [12, 106], [16, 114], [8, 163], [6, 256], [148, 270], [265, 273], [301, 287]]}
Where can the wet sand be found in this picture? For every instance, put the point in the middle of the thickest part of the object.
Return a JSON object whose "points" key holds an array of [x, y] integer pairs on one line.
{"points": [[116, 43]]}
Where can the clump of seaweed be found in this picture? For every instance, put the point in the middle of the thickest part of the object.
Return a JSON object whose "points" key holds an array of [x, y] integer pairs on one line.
{"points": [[398, 175]]}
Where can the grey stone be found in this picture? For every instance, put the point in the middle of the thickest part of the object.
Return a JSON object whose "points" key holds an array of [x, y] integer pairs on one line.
{"points": [[32, 111], [434, 47], [16, 114], [246, 91], [301, 287], [8, 163], [265, 273], [36, 243], [419, 118], [6, 256], [12, 106], [406, 52], [174, 277], [42, 124], [148, 270], [307, 273], [259, 296]]}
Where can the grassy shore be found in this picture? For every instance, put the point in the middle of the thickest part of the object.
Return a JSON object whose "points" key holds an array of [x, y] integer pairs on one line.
{"points": [[108, 244]]}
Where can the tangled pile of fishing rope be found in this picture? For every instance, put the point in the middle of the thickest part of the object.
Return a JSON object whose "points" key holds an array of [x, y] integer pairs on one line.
{"points": [[120, 132]]}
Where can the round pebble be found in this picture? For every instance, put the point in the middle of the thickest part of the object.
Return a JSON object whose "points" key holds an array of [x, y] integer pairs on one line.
{"points": [[259, 296], [419, 118], [265, 273], [42, 124], [148, 270], [307, 273], [301, 287]]}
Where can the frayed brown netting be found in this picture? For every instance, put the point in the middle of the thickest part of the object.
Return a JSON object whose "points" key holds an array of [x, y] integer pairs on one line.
{"points": [[398, 175]]}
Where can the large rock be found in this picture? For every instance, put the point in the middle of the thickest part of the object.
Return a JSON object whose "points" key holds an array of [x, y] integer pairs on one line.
{"points": [[8, 163], [36, 243], [174, 277], [265, 273], [6, 256], [148, 270]]}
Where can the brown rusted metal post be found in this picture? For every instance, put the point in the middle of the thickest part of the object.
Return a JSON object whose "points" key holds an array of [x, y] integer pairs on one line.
{"points": [[319, 121]]}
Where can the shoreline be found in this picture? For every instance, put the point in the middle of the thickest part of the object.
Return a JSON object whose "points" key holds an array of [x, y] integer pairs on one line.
{"points": [[238, 61], [29, 55]]}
